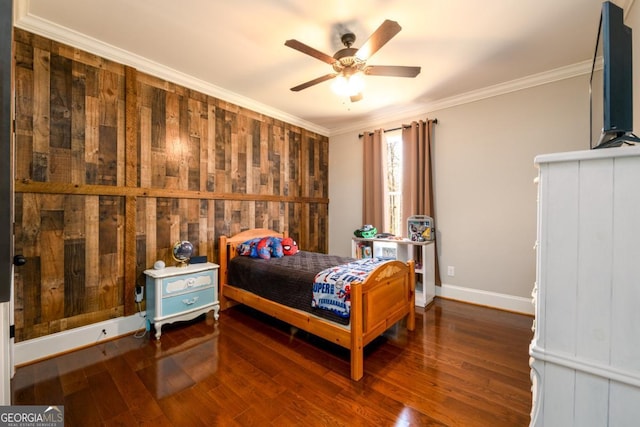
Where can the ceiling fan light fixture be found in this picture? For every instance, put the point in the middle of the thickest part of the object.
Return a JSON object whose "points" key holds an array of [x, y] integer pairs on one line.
{"points": [[350, 64], [351, 85]]}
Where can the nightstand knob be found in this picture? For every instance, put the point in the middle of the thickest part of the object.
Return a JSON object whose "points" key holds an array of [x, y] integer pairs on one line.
{"points": [[190, 301], [190, 282]]}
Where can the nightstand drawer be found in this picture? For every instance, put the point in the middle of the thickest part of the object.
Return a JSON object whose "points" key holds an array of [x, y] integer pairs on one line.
{"points": [[180, 284], [187, 301]]}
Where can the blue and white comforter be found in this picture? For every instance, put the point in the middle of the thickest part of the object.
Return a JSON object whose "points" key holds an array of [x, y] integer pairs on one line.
{"points": [[332, 287]]}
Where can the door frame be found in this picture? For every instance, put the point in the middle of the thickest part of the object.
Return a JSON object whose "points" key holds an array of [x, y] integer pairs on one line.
{"points": [[6, 209]]}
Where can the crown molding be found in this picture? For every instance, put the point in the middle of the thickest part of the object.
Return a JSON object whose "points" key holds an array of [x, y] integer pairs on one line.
{"points": [[48, 29], [20, 9]]}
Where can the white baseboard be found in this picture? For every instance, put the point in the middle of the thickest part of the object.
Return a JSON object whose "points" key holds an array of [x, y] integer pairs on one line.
{"points": [[62, 342], [5, 357], [486, 298]]}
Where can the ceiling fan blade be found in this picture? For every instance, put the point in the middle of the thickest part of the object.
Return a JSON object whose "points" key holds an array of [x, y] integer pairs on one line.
{"points": [[314, 82], [392, 70], [379, 38], [299, 46]]}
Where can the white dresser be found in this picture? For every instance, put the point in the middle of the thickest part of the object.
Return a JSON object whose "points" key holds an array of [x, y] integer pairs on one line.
{"points": [[585, 353], [181, 293]]}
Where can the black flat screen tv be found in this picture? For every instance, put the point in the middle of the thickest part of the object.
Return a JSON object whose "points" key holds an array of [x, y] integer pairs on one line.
{"points": [[611, 83]]}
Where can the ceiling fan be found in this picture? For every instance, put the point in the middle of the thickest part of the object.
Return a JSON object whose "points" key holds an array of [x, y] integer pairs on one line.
{"points": [[349, 62]]}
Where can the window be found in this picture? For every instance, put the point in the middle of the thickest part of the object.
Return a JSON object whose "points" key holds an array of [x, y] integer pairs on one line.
{"points": [[393, 190]]}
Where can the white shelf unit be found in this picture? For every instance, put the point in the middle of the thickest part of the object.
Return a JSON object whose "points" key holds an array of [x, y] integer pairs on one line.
{"points": [[585, 352], [423, 253]]}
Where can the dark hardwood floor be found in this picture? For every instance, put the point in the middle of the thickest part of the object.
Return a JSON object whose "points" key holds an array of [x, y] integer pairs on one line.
{"points": [[464, 365]]}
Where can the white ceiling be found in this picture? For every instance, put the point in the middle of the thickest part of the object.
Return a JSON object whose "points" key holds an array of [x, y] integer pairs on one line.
{"points": [[235, 49]]}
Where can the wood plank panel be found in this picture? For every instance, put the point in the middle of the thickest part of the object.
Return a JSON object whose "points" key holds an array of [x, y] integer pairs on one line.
{"points": [[183, 142], [158, 119], [120, 165], [209, 146], [28, 297], [24, 109], [59, 164], [204, 244], [141, 264], [123, 148], [27, 186], [132, 255], [293, 178], [92, 140], [223, 166], [151, 244], [193, 159], [78, 122], [107, 157], [275, 151], [28, 223], [164, 222], [111, 250], [110, 92], [41, 114], [174, 168], [159, 163], [92, 255], [52, 257], [145, 146], [74, 277], [60, 102]]}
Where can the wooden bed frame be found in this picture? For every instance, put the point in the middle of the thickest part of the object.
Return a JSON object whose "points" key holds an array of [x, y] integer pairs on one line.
{"points": [[384, 298]]}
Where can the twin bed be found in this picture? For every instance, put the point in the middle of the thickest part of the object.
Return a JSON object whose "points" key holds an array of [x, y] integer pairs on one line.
{"points": [[281, 288]]}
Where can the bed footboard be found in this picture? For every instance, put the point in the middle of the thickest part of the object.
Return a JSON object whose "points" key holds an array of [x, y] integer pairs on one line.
{"points": [[387, 296]]}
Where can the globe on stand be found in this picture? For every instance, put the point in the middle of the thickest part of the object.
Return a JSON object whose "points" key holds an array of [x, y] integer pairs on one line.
{"points": [[182, 252]]}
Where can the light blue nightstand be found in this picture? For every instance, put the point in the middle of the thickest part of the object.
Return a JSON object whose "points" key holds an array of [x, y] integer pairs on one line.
{"points": [[181, 293]]}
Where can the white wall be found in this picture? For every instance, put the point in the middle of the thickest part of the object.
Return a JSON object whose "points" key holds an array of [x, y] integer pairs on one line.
{"points": [[345, 191], [485, 196]]}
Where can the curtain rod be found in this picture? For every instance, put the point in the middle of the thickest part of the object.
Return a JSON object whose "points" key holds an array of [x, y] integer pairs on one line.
{"points": [[434, 121]]}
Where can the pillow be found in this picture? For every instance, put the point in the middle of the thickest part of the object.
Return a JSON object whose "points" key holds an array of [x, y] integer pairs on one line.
{"points": [[276, 248], [249, 248], [289, 246], [270, 247]]}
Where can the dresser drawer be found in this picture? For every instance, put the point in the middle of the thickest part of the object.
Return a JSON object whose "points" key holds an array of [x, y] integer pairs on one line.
{"points": [[187, 301], [187, 283]]}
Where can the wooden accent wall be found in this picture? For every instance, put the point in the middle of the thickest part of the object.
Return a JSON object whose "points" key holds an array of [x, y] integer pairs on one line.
{"points": [[114, 166]]}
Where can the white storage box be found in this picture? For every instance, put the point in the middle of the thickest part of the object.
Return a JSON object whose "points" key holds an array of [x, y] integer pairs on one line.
{"points": [[385, 250]]}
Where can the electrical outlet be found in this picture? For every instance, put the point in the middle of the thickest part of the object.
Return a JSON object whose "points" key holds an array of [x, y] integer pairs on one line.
{"points": [[139, 293], [451, 271]]}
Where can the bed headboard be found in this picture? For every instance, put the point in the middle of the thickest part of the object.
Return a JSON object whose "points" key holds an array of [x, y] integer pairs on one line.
{"points": [[231, 243], [228, 250]]}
